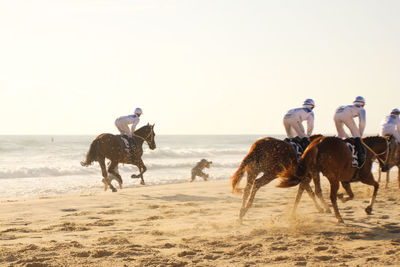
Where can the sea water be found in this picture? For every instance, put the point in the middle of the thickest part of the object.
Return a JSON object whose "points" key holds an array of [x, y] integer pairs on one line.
{"points": [[43, 165]]}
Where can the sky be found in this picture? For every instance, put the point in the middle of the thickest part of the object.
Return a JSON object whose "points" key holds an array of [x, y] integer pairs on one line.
{"points": [[194, 67]]}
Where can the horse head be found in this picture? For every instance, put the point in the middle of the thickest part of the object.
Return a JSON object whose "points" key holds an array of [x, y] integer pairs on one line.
{"points": [[378, 146], [148, 135]]}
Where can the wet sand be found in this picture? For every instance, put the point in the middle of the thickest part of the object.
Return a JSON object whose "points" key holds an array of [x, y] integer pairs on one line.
{"points": [[195, 224]]}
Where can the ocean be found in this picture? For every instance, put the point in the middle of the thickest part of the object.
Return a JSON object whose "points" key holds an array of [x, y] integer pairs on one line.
{"points": [[44, 165]]}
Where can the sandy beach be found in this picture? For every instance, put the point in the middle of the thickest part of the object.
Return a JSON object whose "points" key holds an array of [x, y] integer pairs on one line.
{"points": [[195, 224]]}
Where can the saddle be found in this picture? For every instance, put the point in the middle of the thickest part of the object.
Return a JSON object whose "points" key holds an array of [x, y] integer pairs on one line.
{"points": [[357, 152], [130, 145], [298, 144]]}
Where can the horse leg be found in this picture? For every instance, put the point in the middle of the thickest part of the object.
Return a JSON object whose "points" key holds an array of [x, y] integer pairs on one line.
{"points": [[318, 192], [379, 174], [257, 184], [105, 180], [113, 169], [398, 175], [334, 189], [142, 169], [369, 180], [347, 187], [249, 186], [298, 197], [307, 187], [387, 179]]}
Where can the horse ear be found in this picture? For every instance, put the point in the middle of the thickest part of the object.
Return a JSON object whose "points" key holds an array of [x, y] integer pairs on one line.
{"points": [[148, 124]]}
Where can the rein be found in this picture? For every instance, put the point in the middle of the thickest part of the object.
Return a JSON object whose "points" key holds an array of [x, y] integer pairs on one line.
{"points": [[144, 139], [375, 154]]}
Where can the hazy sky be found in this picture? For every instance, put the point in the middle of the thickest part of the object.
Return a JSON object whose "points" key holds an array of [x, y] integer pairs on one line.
{"points": [[194, 67]]}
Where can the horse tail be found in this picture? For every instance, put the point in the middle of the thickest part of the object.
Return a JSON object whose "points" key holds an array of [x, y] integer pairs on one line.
{"points": [[289, 177], [237, 176], [91, 154], [293, 175]]}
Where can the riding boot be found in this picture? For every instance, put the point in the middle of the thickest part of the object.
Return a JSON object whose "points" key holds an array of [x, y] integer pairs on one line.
{"points": [[361, 151], [304, 143], [132, 146]]}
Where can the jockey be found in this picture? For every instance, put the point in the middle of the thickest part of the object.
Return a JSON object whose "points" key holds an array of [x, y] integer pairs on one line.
{"points": [[391, 126], [344, 116], [294, 118], [123, 122]]}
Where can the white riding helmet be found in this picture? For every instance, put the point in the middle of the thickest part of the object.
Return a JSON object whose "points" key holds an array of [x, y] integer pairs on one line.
{"points": [[359, 100], [138, 111], [395, 111], [309, 103]]}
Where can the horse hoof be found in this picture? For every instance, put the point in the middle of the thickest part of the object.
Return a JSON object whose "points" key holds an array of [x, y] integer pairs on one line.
{"points": [[142, 183], [368, 210], [114, 190], [134, 176]]}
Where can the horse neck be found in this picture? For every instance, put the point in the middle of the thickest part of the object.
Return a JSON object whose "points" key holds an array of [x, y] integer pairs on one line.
{"points": [[376, 142], [142, 132], [139, 141]]}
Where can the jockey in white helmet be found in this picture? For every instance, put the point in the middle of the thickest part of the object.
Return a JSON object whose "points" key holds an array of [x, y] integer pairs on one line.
{"points": [[391, 125], [344, 116], [294, 118], [123, 122]]}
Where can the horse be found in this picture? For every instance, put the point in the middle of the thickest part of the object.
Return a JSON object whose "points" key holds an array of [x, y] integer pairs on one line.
{"points": [[272, 157], [392, 161], [332, 157], [112, 147]]}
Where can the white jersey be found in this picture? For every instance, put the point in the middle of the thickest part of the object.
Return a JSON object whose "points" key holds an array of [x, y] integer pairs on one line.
{"points": [[123, 122], [346, 114], [295, 117], [390, 124]]}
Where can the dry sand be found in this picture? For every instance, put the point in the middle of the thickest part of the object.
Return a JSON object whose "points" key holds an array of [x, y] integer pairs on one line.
{"points": [[195, 224]]}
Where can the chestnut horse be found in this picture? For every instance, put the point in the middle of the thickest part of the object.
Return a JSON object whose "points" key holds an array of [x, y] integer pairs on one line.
{"points": [[332, 157], [272, 157], [112, 147]]}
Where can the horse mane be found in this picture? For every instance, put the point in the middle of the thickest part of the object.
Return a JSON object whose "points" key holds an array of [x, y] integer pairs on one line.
{"points": [[370, 139], [142, 129]]}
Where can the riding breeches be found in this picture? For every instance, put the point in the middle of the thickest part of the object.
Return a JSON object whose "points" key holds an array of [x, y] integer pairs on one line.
{"points": [[123, 128], [294, 127], [349, 122]]}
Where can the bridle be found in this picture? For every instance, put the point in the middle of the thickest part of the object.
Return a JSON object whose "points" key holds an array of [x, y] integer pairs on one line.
{"points": [[150, 134], [378, 154]]}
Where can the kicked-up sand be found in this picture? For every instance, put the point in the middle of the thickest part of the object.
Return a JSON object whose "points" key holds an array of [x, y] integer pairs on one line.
{"points": [[195, 224]]}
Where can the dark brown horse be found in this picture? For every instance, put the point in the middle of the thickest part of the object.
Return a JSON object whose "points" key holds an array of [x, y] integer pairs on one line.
{"points": [[332, 157], [112, 147], [392, 161], [272, 158]]}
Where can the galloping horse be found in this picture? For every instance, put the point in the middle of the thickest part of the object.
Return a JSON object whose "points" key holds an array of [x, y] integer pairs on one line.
{"points": [[273, 158], [113, 148], [332, 157], [392, 161]]}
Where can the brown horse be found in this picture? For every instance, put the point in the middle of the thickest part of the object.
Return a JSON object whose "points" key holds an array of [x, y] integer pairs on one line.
{"points": [[392, 161], [332, 157], [113, 148], [269, 156]]}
